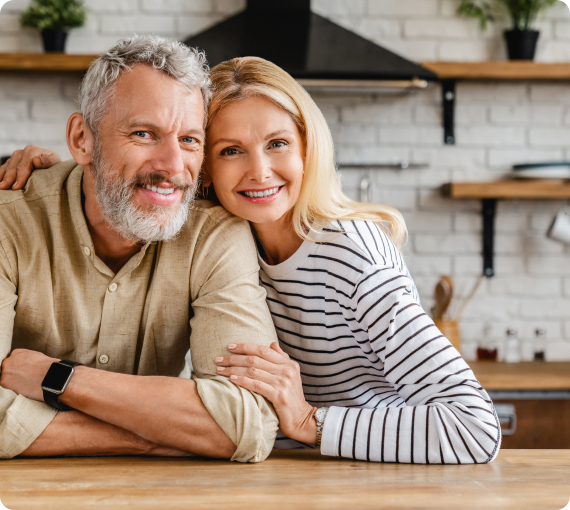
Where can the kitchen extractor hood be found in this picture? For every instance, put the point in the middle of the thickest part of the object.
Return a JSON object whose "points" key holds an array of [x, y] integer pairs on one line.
{"points": [[314, 50]]}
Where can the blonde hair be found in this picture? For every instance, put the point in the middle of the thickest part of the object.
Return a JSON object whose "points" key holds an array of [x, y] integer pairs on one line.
{"points": [[321, 198]]}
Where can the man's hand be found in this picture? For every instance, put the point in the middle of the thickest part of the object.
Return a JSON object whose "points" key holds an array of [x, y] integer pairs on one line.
{"points": [[17, 170], [23, 372]]}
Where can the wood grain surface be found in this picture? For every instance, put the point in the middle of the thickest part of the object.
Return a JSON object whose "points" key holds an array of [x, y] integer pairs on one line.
{"points": [[292, 480], [500, 70], [530, 189], [523, 376], [45, 62]]}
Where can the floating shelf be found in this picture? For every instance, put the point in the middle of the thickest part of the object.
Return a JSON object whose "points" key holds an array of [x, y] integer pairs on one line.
{"points": [[531, 189], [45, 62], [499, 70], [490, 192]]}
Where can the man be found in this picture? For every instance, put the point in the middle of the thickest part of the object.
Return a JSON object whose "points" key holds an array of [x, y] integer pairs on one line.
{"points": [[105, 262]]}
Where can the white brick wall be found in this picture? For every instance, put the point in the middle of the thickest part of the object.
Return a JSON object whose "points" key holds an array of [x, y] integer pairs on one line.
{"points": [[498, 124]]}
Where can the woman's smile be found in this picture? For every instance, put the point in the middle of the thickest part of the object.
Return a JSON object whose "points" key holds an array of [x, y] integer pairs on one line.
{"points": [[262, 196]]}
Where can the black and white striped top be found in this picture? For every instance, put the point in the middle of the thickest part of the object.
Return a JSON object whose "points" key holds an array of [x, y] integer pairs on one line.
{"points": [[346, 309]]}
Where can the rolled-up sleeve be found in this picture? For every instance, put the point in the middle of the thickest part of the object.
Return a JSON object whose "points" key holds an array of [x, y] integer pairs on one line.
{"points": [[21, 420], [229, 306]]}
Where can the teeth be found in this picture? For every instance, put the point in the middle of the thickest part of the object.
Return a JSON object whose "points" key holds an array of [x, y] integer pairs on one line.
{"points": [[261, 194], [160, 191]]}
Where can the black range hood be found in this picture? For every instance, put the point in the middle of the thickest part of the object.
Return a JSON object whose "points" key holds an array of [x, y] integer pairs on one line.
{"points": [[311, 48]]}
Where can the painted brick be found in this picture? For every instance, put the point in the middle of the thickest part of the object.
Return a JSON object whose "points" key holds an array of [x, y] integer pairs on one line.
{"points": [[549, 137], [229, 6], [52, 110], [546, 115], [527, 286], [190, 25], [382, 113], [440, 29], [422, 265], [550, 93], [410, 135], [447, 244], [139, 23], [566, 286], [450, 156], [491, 136], [104, 6], [551, 265], [372, 154], [428, 222], [506, 158], [403, 8], [492, 92], [335, 8], [545, 308], [13, 110], [509, 115], [472, 51]]}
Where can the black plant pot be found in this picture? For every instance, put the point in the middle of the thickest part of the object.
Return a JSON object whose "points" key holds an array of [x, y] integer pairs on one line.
{"points": [[54, 40], [521, 43]]}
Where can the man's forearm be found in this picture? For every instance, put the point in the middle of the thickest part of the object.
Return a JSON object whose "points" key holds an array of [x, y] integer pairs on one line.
{"points": [[164, 410], [75, 434]]}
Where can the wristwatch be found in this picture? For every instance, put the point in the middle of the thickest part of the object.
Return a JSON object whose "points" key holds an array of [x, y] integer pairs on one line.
{"points": [[320, 416], [55, 382]]}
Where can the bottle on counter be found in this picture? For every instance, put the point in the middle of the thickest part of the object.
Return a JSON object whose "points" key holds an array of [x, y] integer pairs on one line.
{"points": [[487, 349], [539, 346], [512, 347]]}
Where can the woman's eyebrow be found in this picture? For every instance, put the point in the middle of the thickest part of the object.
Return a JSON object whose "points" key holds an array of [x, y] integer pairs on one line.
{"points": [[278, 132]]}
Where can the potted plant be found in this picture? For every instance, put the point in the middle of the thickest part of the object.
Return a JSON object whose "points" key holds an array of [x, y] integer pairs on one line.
{"points": [[54, 18], [521, 39]]}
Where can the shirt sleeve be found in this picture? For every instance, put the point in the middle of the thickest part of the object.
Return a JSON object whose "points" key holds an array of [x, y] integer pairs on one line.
{"points": [[229, 307], [439, 413], [22, 420]]}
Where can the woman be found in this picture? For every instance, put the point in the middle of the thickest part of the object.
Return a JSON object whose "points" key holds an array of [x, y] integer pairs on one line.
{"points": [[354, 341]]}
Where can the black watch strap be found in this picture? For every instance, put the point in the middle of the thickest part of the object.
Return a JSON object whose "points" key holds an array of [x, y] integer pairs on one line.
{"points": [[52, 399]]}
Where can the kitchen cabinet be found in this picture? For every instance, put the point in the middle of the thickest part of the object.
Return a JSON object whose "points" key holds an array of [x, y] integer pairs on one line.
{"points": [[539, 395]]}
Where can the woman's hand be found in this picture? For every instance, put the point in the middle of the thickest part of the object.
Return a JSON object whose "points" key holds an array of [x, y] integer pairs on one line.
{"points": [[270, 372], [17, 170]]}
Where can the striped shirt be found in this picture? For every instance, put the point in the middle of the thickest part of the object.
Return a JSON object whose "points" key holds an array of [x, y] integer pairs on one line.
{"points": [[347, 310]]}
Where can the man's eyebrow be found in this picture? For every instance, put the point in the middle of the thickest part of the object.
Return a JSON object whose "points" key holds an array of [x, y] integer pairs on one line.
{"points": [[155, 127]]}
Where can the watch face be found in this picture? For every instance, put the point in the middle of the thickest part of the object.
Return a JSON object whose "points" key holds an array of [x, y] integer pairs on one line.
{"points": [[57, 378]]}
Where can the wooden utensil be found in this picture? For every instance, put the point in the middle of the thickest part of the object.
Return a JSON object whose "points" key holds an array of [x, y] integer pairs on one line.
{"points": [[443, 295]]}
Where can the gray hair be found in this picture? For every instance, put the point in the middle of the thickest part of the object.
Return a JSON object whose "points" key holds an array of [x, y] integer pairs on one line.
{"points": [[187, 65]]}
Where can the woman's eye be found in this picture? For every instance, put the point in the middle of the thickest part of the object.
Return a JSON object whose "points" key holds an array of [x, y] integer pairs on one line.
{"points": [[279, 143], [230, 151]]}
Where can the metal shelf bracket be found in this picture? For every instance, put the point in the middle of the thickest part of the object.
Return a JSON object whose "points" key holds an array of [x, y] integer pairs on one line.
{"points": [[489, 212], [448, 91]]}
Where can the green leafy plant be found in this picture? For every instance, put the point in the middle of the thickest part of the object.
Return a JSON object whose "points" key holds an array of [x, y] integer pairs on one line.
{"points": [[54, 14], [522, 13]]}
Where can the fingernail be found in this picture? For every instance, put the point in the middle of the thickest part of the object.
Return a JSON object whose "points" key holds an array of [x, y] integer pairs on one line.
{"points": [[15, 184], [221, 369], [219, 359], [233, 377], [231, 347]]}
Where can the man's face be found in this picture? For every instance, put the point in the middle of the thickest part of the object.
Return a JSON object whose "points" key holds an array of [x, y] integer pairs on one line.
{"points": [[148, 155]]}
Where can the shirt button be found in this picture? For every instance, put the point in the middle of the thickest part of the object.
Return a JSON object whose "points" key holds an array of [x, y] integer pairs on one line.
{"points": [[113, 287], [103, 359], [87, 251]]}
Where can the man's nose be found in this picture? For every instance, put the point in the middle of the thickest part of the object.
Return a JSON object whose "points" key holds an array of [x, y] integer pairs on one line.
{"points": [[168, 158], [259, 168]]}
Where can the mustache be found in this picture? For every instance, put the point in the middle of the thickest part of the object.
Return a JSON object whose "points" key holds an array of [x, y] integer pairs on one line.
{"points": [[156, 178]]}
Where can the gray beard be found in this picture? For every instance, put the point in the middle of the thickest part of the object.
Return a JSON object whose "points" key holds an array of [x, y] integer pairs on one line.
{"points": [[115, 197]]}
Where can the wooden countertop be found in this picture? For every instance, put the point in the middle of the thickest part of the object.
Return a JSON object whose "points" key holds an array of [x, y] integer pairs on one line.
{"points": [[500, 70], [45, 62], [525, 189], [521, 479], [523, 376]]}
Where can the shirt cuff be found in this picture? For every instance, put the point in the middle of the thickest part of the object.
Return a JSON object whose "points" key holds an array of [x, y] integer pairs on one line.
{"points": [[21, 425], [331, 431]]}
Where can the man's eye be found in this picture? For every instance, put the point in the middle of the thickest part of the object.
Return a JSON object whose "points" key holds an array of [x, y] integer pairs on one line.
{"points": [[142, 134], [188, 139], [230, 151]]}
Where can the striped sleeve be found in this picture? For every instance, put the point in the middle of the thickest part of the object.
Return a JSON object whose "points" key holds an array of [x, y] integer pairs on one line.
{"points": [[441, 414]]}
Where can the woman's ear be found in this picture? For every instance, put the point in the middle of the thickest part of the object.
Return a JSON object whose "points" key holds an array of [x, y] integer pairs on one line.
{"points": [[206, 178], [80, 140]]}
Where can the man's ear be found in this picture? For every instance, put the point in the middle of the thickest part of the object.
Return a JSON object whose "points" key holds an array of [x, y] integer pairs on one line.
{"points": [[80, 140]]}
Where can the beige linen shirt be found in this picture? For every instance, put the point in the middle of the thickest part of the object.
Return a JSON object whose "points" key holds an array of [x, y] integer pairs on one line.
{"points": [[200, 291]]}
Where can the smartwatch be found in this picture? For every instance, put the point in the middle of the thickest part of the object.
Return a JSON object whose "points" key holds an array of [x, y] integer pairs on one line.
{"points": [[55, 382]]}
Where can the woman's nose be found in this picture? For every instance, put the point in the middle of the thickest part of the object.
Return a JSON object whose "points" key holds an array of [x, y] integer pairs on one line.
{"points": [[259, 168]]}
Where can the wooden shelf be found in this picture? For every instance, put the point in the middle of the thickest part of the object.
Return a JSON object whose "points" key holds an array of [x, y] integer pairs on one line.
{"points": [[499, 70], [45, 62], [533, 189], [523, 376]]}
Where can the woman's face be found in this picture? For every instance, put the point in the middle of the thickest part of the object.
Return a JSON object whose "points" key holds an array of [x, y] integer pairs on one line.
{"points": [[255, 160]]}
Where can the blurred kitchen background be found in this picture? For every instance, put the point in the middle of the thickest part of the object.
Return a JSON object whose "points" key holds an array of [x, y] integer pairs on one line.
{"points": [[498, 123]]}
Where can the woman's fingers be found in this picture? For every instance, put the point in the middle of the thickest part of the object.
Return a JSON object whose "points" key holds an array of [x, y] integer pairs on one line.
{"points": [[249, 362], [33, 157], [260, 351], [8, 170], [250, 373], [259, 387]]}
